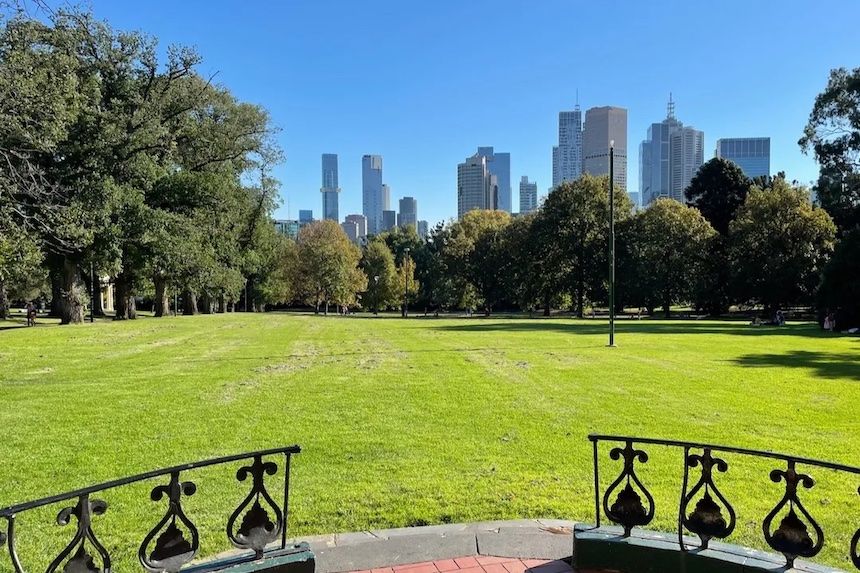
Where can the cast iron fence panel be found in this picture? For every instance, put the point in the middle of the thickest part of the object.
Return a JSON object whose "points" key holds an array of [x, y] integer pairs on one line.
{"points": [[175, 540], [712, 516]]}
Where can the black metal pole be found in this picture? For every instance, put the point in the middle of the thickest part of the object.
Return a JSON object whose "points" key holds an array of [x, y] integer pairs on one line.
{"points": [[92, 294], [611, 244]]}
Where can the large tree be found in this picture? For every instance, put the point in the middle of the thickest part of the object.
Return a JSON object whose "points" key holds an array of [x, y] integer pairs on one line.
{"points": [[328, 268], [672, 243], [377, 262], [780, 242], [573, 227], [833, 135], [717, 190], [840, 284]]}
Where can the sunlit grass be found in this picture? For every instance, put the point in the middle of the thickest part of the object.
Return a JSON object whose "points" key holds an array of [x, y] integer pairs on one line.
{"points": [[416, 421]]}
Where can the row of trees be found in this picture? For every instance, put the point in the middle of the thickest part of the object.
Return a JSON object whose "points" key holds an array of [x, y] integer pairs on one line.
{"points": [[769, 250], [113, 163]]}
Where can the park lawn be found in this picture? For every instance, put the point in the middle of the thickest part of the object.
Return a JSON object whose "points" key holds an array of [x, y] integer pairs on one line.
{"points": [[419, 421]]}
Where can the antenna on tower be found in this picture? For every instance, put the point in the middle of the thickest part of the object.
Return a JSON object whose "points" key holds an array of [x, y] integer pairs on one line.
{"points": [[670, 114], [577, 98]]}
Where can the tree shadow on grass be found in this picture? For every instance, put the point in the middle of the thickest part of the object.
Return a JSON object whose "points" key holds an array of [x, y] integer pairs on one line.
{"points": [[627, 326], [825, 364]]}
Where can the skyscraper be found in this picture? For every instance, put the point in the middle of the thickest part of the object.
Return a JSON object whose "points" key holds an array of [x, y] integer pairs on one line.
{"points": [[306, 216], [567, 155], [408, 212], [423, 229], [528, 195], [373, 198], [499, 165], [751, 154], [477, 188], [360, 222], [330, 189], [389, 220], [669, 158], [602, 126], [386, 197]]}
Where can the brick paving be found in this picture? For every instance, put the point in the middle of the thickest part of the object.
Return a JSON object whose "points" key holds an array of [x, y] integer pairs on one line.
{"points": [[478, 564]]}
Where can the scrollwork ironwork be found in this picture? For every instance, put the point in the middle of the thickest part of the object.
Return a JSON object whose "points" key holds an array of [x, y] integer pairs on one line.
{"points": [[82, 561], [792, 537], [707, 519], [628, 510], [257, 529], [171, 550]]}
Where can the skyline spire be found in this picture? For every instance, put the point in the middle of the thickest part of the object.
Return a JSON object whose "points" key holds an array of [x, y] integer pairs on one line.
{"points": [[670, 112]]}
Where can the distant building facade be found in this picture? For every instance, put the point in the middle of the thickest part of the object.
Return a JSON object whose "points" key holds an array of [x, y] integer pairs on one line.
{"points": [[567, 155], [423, 229], [306, 216], [355, 226], [389, 219], [386, 197], [408, 214], [751, 154], [477, 188], [528, 195], [330, 189], [287, 227], [372, 195], [499, 164], [669, 158], [604, 125]]}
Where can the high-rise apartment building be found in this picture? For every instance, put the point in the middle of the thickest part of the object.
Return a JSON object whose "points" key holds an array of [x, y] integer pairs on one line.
{"points": [[669, 158], [605, 125], [408, 214], [477, 188], [499, 165], [751, 154], [330, 189], [567, 155], [386, 197], [389, 219], [360, 222], [372, 195], [423, 229], [528, 195]]}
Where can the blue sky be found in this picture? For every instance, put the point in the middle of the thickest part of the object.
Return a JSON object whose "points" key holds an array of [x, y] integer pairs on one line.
{"points": [[425, 83]]}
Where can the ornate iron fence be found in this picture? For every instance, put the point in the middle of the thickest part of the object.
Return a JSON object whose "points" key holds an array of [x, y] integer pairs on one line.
{"points": [[712, 515], [165, 549]]}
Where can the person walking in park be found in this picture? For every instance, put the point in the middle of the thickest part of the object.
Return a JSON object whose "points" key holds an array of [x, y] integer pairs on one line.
{"points": [[31, 314]]}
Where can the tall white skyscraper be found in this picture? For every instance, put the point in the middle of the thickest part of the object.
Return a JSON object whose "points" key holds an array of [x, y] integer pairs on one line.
{"points": [[477, 188], [330, 189], [408, 214], [386, 197], [669, 158], [372, 195], [499, 165], [528, 195], [602, 126], [567, 155]]}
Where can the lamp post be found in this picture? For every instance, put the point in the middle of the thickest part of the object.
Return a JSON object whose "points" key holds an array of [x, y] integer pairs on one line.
{"points": [[406, 283], [376, 295], [611, 244]]}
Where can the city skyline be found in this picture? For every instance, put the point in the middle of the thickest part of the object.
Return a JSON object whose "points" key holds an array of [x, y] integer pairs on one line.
{"points": [[424, 115]]}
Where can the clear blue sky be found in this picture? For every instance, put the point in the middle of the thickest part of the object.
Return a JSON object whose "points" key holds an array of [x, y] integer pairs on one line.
{"points": [[425, 83]]}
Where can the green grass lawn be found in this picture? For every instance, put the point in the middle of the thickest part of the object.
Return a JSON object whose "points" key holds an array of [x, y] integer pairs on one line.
{"points": [[420, 421]]}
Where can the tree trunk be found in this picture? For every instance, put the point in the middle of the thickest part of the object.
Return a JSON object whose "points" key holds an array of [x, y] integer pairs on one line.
{"points": [[4, 301], [666, 308], [71, 307], [99, 309], [222, 304], [546, 307], [189, 303], [56, 289], [125, 305], [206, 303], [162, 301]]}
